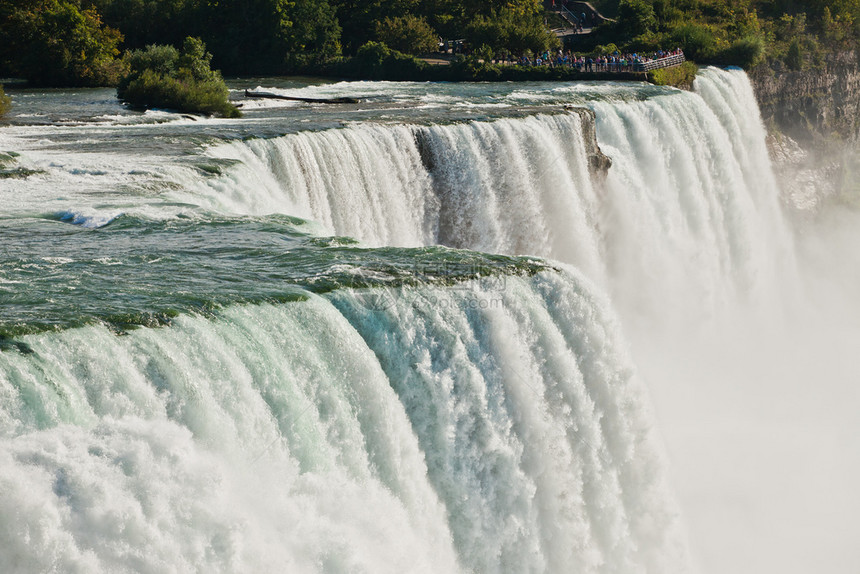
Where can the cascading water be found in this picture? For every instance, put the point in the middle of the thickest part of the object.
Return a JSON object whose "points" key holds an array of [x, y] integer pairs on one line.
{"points": [[196, 377], [688, 214], [464, 429]]}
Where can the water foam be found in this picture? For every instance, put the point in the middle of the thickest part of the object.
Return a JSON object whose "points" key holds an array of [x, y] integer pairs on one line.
{"points": [[494, 429]]}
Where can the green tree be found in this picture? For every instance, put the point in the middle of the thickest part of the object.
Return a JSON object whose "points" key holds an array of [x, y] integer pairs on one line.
{"points": [[635, 17], [162, 76], [58, 43], [359, 17], [255, 36], [5, 102], [697, 40], [794, 57], [314, 29], [145, 22], [408, 34], [509, 31]]}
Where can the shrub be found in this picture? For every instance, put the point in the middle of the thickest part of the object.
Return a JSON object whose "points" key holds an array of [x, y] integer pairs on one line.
{"points": [[377, 61], [697, 41], [408, 34], [162, 76], [5, 102], [794, 58], [679, 76], [746, 52]]}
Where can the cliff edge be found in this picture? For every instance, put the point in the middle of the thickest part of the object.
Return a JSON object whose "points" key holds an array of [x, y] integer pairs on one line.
{"points": [[813, 121]]}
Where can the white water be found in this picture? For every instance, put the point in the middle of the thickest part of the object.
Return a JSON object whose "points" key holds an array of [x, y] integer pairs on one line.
{"points": [[494, 430], [746, 344], [688, 218]]}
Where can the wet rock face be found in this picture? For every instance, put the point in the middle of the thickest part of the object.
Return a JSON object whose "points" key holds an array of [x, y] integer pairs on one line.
{"points": [[813, 120], [598, 162], [813, 104]]}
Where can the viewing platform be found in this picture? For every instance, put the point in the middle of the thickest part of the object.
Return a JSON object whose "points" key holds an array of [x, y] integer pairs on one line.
{"points": [[667, 62]]}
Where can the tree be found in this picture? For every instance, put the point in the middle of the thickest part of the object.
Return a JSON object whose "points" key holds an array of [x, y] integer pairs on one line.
{"points": [[507, 31], [162, 76], [255, 36], [359, 17], [5, 102], [314, 29], [166, 21], [635, 17], [57, 43], [408, 34]]}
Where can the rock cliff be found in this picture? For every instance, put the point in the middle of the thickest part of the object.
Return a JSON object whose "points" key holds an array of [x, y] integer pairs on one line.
{"points": [[813, 121], [817, 103]]}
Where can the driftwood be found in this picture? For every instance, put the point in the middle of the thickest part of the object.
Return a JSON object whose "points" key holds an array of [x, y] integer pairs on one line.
{"points": [[250, 94]]}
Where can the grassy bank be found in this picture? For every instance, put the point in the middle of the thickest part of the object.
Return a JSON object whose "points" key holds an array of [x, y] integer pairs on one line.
{"points": [[680, 76]]}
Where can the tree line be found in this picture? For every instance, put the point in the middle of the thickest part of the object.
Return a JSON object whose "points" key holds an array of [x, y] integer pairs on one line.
{"points": [[793, 33], [79, 42]]}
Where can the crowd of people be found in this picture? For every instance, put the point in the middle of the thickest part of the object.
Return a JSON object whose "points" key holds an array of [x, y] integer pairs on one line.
{"points": [[615, 62]]}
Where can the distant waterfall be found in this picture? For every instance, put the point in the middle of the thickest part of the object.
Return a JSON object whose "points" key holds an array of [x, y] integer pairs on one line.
{"points": [[489, 429]]}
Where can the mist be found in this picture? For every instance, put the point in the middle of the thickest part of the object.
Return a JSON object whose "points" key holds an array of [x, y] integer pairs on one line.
{"points": [[758, 411]]}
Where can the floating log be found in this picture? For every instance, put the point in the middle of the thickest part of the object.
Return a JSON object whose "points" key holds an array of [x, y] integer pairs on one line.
{"points": [[250, 94]]}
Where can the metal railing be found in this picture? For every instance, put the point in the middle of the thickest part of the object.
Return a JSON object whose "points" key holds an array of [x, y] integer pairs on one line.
{"points": [[572, 18], [667, 62]]}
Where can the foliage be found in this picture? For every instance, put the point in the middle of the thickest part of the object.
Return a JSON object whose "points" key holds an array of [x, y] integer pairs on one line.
{"points": [[255, 36], [375, 60], [162, 76], [58, 43], [741, 32], [314, 29], [508, 31], [408, 34], [359, 17], [794, 58], [5, 102], [698, 41], [680, 76], [746, 52], [76, 42], [166, 21], [635, 17]]}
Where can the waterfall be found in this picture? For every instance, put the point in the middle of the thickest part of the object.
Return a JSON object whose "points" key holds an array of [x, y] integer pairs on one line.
{"points": [[688, 213], [492, 427], [174, 397]]}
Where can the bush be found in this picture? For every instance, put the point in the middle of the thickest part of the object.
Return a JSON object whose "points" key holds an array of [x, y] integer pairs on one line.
{"points": [[697, 41], [5, 102], [408, 34], [794, 58], [747, 52], [471, 68], [679, 76], [162, 76], [376, 61]]}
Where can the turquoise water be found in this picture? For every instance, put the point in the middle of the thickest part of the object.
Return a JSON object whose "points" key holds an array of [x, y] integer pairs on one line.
{"points": [[416, 334]]}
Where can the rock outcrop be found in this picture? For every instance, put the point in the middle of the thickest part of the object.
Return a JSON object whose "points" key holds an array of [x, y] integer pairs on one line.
{"points": [[813, 121], [598, 162], [817, 103]]}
